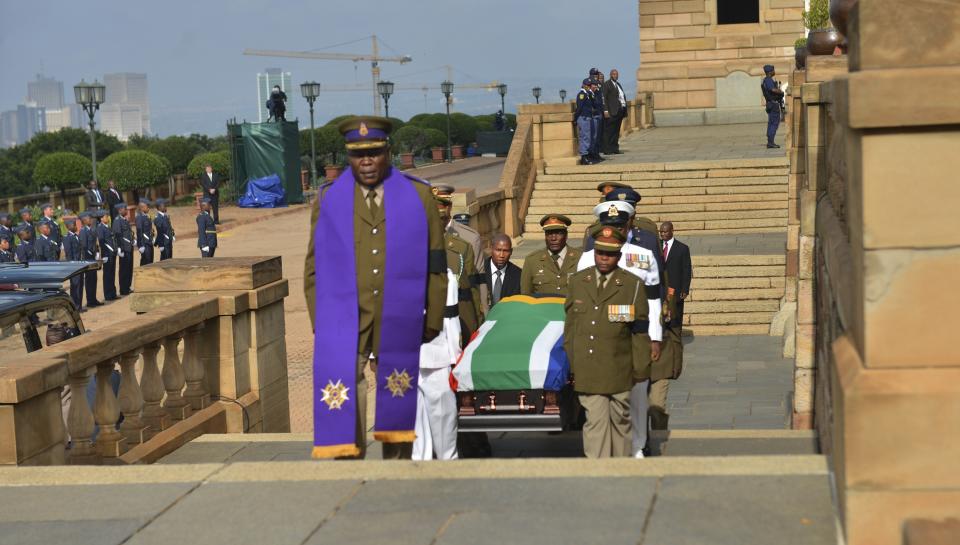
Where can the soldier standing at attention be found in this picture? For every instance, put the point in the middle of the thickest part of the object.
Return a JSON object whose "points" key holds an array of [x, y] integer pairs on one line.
{"points": [[597, 97], [604, 188], [24, 250], [45, 248], [26, 220], [6, 256], [165, 234], [6, 230], [772, 95], [73, 252], [108, 253], [144, 233], [123, 238], [88, 252], [55, 235], [546, 272], [380, 227], [605, 337], [206, 230]]}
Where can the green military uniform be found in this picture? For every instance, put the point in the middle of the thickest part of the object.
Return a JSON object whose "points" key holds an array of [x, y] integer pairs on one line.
{"points": [[646, 224], [370, 243], [460, 261], [606, 340], [541, 274]]}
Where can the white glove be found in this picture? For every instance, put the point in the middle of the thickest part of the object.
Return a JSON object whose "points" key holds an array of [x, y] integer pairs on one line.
{"points": [[98, 256], [104, 259], [205, 248], [140, 249], [120, 253], [161, 248], [174, 239]]}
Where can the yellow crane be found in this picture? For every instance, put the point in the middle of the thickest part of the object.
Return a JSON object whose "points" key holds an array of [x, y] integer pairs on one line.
{"points": [[374, 58]]}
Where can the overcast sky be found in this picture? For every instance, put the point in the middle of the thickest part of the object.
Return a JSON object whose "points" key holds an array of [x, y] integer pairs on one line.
{"points": [[198, 77]]}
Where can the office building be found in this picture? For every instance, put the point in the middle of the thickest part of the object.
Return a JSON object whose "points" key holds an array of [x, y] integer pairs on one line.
{"points": [[126, 107], [18, 126], [46, 92], [265, 82]]}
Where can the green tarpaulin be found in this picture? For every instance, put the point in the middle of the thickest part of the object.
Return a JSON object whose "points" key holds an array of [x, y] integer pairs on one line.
{"points": [[262, 149]]}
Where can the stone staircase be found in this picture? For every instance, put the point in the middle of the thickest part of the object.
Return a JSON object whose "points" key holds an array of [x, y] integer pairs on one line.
{"points": [[734, 294], [699, 197]]}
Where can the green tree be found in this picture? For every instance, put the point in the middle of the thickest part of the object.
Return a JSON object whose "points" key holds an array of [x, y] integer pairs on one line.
{"points": [[177, 150], [333, 122], [133, 170], [219, 160], [330, 144], [410, 139], [485, 122], [463, 128], [139, 141], [63, 169], [75, 140], [818, 18], [435, 139]]}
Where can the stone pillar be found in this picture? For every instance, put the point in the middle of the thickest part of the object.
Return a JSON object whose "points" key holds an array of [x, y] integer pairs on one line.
{"points": [[896, 379]]}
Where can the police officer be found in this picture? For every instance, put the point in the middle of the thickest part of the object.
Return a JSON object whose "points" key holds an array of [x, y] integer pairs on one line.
{"points": [[546, 272], [48, 217], [606, 340], [24, 251], [73, 252], [144, 232], [104, 240], [583, 117], [206, 230], [45, 248], [773, 96], [123, 238], [596, 77], [165, 234], [87, 237], [6, 252]]}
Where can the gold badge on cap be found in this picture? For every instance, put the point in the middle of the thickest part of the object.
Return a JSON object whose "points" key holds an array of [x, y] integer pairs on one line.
{"points": [[363, 129], [621, 196], [607, 232], [613, 211], [436, 191]]}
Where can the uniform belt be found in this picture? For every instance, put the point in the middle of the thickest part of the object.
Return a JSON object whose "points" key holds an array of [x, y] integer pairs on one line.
{"points": [[477, 279], [464, 294], [451, 311]]}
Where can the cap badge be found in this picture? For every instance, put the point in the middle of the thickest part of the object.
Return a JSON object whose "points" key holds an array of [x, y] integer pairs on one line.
{"points": [[363, 129], [622, 196], [607, 232], [613, 211], [436, 190]]}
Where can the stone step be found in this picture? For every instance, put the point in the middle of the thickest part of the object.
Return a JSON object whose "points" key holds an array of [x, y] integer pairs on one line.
{"points": [[733, 442], [742, 259], [737, 283], [729, 318], [607, 168], [717, 330], [587, 197], [637, 176], [734, 294], [584, 215], [670, 191], [559, 183], [694, 307], [739, 271], [586, 206], [762, 225]]}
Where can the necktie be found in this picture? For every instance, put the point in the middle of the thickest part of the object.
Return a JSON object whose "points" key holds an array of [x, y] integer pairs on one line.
{"points": [[665, 248], [601, 283], [556, 260], [372, 202], [497, 287]]}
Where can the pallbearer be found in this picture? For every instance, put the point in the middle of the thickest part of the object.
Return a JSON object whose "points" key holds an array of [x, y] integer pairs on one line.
{"points": [[545, 272]]}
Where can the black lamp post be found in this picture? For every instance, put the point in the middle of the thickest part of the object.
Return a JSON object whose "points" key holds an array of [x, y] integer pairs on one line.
{"points": [[385, 88], [536, 94], [310, 91], [447, 88], [90, 96], [502, 89], [563, 95]]}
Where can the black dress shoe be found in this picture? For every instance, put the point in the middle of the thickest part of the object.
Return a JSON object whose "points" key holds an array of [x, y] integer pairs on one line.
{"points": [[772, 146], [618, 152], [94, 304], [110, 298], [584, 160]]}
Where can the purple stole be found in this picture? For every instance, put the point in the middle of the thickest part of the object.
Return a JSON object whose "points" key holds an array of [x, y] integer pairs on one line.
{"points": [[336, 328]]}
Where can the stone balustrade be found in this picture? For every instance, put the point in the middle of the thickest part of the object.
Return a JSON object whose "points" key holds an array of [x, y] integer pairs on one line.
{"points": [[219, 324]]}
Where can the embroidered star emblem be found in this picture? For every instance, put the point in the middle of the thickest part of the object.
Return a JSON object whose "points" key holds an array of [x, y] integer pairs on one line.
{"points": [[398, 383], [335, 395]]}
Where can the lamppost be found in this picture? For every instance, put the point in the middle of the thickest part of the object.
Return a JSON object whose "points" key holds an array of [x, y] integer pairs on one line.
{"points": [[447, 88], [90, 96], [385, 88], [502, 89], [563, 95], [310, 91], [536, 94]]}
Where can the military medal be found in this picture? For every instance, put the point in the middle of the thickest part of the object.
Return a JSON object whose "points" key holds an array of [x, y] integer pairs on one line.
{"points": [[620, 313], [637, 261]]}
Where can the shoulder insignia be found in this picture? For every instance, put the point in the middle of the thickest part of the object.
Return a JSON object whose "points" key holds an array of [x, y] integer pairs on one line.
{"points": [[582, 95], [618, 282]]}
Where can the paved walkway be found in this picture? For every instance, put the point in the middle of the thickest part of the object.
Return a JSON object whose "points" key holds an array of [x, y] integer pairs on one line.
{"points": [[698, 143]]}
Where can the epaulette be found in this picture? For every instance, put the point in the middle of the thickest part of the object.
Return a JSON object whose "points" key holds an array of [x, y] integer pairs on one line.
{"points": [[413, 178]]}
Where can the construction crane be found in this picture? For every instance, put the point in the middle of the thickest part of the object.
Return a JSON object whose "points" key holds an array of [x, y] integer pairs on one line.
{"points": [[374, 58]]}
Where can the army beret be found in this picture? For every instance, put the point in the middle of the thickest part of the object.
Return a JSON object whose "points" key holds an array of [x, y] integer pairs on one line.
{"points": [[365, 132], [45, 205], [606, 237], [602, 185], [623, 194], [555, 222], [613, 212]]}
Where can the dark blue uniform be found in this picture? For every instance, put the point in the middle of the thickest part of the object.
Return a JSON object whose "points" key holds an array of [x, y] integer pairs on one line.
{"points": [[7, 233], [583, 117], [73, 252], [108, 251], [88, 252], [24, 252], [597, 124], [123, 237], [145, 238], [206, 234], [46, 249], [773, 108], [6, 256], [165, 235], [30, 227], [55, 235]]}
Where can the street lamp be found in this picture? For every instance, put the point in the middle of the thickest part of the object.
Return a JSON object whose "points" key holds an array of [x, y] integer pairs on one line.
{"points": [[385, 88], [502, 89], [563, 95], [447, 88], [310, 91], [90, 96], [536, 94]]}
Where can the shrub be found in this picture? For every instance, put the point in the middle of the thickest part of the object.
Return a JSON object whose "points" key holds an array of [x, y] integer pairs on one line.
{"points": [[219, 160], [333, 122], [62, 169], [177, 150], [435, 139], [410, 139], [134, 169], [818, 17], [800, 43]]}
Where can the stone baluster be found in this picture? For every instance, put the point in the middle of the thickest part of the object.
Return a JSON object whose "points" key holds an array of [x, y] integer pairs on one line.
{"points": [[80, 421], [131, 400], [151, 385], [173, 380], [196, 393], [106, 411]]}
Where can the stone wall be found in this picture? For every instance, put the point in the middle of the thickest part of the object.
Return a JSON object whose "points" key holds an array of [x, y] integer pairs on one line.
{"points": [[704, 73]]}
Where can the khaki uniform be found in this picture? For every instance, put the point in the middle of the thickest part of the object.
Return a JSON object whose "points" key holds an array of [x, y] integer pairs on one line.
{"points": [[540, 275], [370, 242], [606, 340], [472, 237], [646, 224], [460, 261]]}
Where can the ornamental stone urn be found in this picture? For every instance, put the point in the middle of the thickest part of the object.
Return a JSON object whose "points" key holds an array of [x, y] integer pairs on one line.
{"points": [[823, 41]]}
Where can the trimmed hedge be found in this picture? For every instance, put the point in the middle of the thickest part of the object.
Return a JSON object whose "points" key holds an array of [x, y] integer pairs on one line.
{"points": [[62, 170], [134, 169], [219, 160]]}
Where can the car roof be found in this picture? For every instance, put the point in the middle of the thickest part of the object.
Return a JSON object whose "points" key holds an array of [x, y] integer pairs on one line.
{"points": [[13, 300], [43, 275]]}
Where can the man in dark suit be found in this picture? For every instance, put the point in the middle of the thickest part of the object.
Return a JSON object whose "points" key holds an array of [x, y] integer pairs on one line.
{"points": [[210, 181], [615, 109], [113, 199], [502, 276], [95, 198]]}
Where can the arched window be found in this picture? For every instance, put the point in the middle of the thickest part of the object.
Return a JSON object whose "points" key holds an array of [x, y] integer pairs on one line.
{"points": [[735, 12]]}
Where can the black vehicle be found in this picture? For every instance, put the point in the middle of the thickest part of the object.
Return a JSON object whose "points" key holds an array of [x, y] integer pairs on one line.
{"points": [[35, 311]]}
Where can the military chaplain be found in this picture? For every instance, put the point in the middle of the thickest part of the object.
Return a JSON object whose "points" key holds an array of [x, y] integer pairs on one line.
{"points": [[605, 337], [546, 272], [381, 227], [640, 262]]}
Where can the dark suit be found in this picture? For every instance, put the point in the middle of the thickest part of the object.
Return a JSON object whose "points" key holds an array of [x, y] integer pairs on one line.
{"points": [[611, 127], [511, 280], [214, 184], [113, 199], [96, 199], [73, 252], [679, 274]]}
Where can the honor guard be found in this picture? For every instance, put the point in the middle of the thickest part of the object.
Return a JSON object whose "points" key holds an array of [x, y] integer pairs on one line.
{"points": [[470, 235], [73, 252], [6, 228], [773, 97], [89, 252], [603, 188], [48, 217], [596, 80], [606, 340], [45, 248], [24, 250], [123, 238], [26, 220], [165, 235], [206, 230], [461, 260], [583, 117], [6, 255], [108, 253], [547, 271], [144, 232]]}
